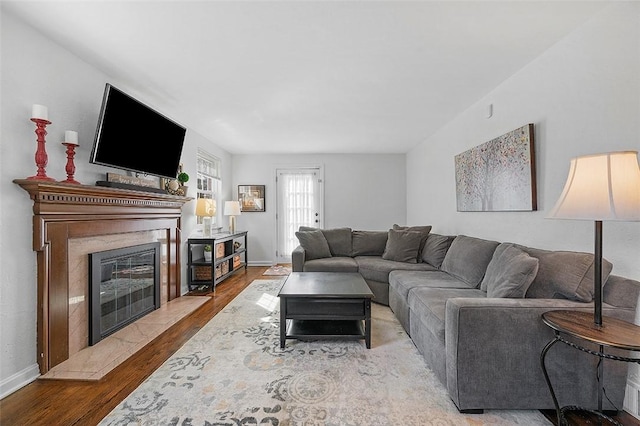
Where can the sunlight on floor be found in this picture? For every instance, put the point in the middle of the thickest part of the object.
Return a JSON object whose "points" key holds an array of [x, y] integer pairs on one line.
{"points": [[268, 302]]}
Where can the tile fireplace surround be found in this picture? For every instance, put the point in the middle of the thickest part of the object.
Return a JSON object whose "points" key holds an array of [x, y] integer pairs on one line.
{"points": [[71, 221]]}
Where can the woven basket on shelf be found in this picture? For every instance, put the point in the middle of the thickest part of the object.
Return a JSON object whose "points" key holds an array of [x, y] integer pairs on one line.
{"points": [[203, 273]]}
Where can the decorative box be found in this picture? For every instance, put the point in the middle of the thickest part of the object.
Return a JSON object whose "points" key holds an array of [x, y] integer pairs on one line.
{"points": [[219, 250], [236, 262], [224, 267], [218, 271]]}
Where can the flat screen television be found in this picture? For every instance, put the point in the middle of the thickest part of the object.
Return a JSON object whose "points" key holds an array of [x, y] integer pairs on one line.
{"points": [[132, 136]]}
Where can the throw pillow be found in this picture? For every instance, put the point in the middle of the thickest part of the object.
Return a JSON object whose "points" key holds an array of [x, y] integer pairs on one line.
{"points": [[339, 239], [402, 246], [314, 244], [510, 272], [424, 230], [436, 248]]}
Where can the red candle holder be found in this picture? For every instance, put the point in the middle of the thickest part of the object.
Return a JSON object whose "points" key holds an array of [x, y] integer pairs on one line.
{"points": [[41, 152], [70, 168]]}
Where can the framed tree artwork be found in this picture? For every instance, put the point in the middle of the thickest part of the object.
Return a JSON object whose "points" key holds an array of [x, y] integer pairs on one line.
{"points": [[499, 175], [251, 198]]}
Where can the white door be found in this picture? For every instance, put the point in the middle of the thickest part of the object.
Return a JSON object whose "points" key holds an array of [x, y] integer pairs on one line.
{"points": [[299, 202]]}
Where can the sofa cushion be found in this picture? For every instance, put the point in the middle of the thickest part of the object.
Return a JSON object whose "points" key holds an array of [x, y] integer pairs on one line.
{"points": [[314, 244], [436, 248], [424, 230], [376, 268], [622, 292], [468, 258], [339, 239], [369, 243], [331, 264], [564, 275], [429, 306], [510, 272], [402, 246], [404, 280]]}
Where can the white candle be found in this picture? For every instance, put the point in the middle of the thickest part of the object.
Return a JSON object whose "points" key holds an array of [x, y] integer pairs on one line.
{"points": [[71, 137], [40, 111]]}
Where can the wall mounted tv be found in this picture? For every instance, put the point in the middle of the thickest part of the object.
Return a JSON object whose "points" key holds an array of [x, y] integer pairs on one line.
{"points": [[133, 137]]}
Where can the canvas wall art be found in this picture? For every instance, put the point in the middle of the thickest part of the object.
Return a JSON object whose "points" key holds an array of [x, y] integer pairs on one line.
{"points": [[498, 175]]}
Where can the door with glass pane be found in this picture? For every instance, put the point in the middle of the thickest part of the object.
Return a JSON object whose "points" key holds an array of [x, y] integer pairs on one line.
{"points": [[299, 203]]}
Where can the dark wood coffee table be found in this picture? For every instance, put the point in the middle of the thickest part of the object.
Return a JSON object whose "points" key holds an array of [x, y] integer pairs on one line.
{"points": [[325, 305]]}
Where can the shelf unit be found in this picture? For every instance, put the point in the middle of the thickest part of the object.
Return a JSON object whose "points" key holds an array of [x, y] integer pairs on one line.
{"points": [[229, 254]]}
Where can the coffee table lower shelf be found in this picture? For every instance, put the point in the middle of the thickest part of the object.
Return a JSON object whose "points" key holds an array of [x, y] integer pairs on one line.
{"points": [[325, 329]]}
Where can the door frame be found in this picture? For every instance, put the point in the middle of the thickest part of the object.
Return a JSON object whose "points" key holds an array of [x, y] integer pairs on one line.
{"points": [[276, 168]]}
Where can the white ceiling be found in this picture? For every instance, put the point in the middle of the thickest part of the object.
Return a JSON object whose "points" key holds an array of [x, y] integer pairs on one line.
{"points": [[305, 76]]}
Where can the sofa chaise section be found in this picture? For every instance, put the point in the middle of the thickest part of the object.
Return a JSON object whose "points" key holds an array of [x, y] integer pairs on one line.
{"points": [[492, 357]]}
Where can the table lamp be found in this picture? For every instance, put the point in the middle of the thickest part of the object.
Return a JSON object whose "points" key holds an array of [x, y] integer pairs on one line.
{"points": [[601, 187], [206, 209], [232, 209]]}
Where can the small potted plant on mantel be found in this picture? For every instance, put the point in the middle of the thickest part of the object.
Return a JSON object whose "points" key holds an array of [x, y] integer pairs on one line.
{"points": [[182, 179], [207, 252]]}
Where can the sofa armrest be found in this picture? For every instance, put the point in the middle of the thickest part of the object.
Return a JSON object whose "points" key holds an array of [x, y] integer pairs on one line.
{"points": [[493, 349], [297, 259]]}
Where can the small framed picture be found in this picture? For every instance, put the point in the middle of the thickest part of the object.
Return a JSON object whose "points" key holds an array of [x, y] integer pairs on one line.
{"points": [[251, 198]]}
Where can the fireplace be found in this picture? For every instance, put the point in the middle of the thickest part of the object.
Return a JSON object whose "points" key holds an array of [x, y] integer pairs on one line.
{"points": [[72, 221], [124, 285]]}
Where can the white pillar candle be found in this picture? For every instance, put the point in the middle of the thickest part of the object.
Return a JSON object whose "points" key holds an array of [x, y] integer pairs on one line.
{"points": [[40, 111], [71, 137]]}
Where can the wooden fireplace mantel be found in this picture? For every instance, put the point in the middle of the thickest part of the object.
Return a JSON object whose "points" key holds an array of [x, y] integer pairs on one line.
{"points": [[64, 211]]}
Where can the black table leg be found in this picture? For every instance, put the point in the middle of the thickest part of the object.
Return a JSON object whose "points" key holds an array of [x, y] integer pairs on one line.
{"points": [[283, 321], [367, 322]]}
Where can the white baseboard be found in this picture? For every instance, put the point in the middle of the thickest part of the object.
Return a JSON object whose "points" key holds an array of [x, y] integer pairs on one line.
{"points": [[260, 263], [632, 398], [19, 380]]}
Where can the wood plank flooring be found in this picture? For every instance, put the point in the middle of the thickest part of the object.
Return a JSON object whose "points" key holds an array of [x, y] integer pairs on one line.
{"points": [[53, 402]]}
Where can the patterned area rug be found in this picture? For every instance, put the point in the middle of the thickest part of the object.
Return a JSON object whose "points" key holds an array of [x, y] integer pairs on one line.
{"points": [[233, 372], [278, 270]]}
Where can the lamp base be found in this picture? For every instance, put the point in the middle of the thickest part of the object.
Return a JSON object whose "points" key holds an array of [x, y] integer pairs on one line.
{"points": [[232, 224], [206, 226]]}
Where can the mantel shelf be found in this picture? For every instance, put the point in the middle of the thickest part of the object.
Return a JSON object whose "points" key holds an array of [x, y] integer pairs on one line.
{"points": [[49, 196]]}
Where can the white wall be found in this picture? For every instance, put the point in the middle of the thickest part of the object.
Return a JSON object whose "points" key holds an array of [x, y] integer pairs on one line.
{"points": [[583, 96], [361, 192], [37, 71]]}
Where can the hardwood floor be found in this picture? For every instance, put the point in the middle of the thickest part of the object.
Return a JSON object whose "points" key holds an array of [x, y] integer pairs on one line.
{"points": [[64, 402]]}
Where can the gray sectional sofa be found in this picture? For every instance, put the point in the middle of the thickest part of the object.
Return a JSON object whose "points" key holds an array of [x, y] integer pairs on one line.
{"points": [[473, 309]]}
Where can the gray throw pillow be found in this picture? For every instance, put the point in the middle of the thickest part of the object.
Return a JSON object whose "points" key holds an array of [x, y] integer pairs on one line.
{"points": [[339, 239], [424, 230], [435, 249], [314, 244], [510, 272], [402, 246]]}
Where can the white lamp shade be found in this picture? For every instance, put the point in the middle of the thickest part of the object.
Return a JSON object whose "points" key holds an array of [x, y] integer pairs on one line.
{"points": [[205, 207], [601, 187], [231, 208]]}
